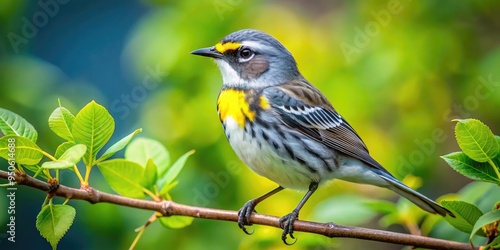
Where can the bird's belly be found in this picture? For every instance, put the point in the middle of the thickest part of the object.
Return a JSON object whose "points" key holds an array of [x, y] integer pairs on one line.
{"points": [[264, 160]]}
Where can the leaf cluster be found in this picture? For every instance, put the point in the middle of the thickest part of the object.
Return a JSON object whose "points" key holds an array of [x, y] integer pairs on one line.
{"points": [[479, 160], [145, 171]]}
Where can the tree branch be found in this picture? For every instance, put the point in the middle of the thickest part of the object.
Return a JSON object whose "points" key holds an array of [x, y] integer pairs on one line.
{"points": [[169, 208]]}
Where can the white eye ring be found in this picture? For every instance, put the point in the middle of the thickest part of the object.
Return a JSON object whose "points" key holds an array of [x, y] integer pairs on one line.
{"points": [[245, 55]]}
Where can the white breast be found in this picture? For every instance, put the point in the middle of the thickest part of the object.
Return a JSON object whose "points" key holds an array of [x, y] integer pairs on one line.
{"points": [[263, 160]]}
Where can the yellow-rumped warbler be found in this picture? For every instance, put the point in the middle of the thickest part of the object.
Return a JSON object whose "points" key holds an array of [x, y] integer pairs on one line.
{"points": [[285, 129]]}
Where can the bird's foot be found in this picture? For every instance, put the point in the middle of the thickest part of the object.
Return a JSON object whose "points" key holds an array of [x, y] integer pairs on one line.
{"points": [[286, 223], [244, 215]]}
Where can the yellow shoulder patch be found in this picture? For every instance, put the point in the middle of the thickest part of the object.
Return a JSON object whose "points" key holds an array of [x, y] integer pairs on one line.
{"points": [[264, 103], [223, 47]]}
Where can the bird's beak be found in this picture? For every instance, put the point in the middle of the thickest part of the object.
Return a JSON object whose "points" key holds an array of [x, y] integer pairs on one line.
{"points": [[208, 52]]}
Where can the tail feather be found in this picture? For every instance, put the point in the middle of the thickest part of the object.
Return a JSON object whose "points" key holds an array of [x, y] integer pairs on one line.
{"points": [[416, 197]]}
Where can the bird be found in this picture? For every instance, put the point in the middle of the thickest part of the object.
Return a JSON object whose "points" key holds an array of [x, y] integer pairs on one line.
{"points": [[283, 128]]}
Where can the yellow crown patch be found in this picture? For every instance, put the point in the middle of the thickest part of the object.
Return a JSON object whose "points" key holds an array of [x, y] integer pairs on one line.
{"points": [[223, 47]]}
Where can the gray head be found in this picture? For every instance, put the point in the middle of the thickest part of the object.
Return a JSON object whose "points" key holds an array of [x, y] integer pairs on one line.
{"points": [[251, 58]]}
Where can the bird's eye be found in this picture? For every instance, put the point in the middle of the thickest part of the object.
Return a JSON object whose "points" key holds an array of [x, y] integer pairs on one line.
{"points": [[246, 54]]}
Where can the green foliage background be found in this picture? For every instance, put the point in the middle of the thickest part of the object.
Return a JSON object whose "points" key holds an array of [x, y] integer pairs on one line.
{"points": [[401, 87]]}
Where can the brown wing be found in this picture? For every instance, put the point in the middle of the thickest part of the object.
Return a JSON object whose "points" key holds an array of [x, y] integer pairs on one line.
{"points": [[302, 107]]}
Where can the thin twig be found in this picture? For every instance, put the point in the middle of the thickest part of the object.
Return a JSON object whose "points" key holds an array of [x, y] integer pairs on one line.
{"points": [[169, 208]]}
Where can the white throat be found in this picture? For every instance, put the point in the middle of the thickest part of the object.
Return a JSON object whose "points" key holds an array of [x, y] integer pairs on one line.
{"points": [[229, 75]]}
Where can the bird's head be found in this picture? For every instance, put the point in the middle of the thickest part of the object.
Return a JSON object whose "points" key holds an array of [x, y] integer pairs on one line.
{"points": [[252, 59]]}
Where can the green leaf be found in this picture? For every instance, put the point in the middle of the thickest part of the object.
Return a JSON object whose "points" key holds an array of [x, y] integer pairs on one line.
{"points": [[68, 159], [466, 215], [123, 176], [22, 149], [62, 148], [74, 154], [165, 189], [13, 124], [54, 221], [476, 140], [93, 127], [61, 122], [484, 220], [118, 146], [174, 170], [176, 221], [57, 164], [150, 175], [141, 149], [479, 171]]}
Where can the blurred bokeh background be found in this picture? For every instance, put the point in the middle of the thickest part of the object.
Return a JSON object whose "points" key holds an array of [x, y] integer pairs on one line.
{"points": [[398, 71]]}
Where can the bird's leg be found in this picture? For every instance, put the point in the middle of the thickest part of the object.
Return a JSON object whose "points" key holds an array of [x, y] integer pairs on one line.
{"points": [[286, 222], [246, 211]]}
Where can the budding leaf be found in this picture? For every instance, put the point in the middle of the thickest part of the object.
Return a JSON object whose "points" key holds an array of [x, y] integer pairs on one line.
{"points": [[174, 170], [61, 122], [93, 127], [118, 146]]}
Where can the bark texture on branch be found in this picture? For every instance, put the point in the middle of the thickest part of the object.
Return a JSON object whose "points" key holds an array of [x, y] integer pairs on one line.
{"points": [[169, 208]]}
